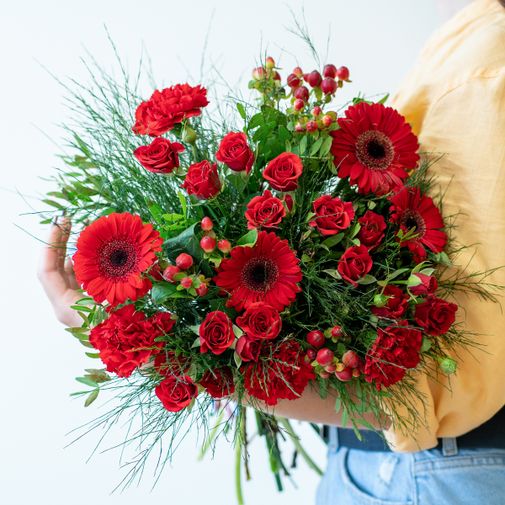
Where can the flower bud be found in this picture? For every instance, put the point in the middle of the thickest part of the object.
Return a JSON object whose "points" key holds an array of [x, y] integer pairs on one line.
{"points": [[293, 81], [311, 126], [298, 104], [380, 300], [208, 244], [447, 365], [329, 86], [277, 76], [343, 73], [207, 224], [314, 78], [327, 120], [288, 202], [324, 356], [224, 246], [330, 71], [351, 359], [336, 332], [269, 63], [345, 375], [302, 93], [186, 282], [316, 338], [184, 261], [299, 127], [202, 289], [298, 72], [258, 73], [188, 135], [311, 354], [169, 272], [316, 111], [324, 374], [330, 368]]}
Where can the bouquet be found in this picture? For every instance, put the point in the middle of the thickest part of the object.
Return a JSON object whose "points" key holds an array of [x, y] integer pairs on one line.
{"points": [[233, 261]]}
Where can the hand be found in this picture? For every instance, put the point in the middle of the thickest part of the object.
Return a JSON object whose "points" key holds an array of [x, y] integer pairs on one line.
{"points": [[56, 274]]}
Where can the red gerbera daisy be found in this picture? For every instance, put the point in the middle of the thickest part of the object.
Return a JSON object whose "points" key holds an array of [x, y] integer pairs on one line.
{"points": [[267, 272], [112, 253], [417, 214], [374, 147]]}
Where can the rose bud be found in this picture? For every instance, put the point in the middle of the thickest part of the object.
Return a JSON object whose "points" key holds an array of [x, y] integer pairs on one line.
{"points": [[302, 93], [351, 359], [448, 365], [345, 375], [269, 63], [336, 332], [224, 246], [316, 111], [327, 120], [188, 135], [277, 76], [324, 356], [258, 73], [299, 104], [298, 72], [299, 127], [184, 261], [343, 73], [314, 78], [288, 202], [208, 244], [311, 354], [202, 290], [380, 300], [316, 338], [330, 71], [329, 86], [293, 81], [169, 272], [427, 285], [186, 282], [207, 224], [330, 368], [311, 126], [323, 374]]}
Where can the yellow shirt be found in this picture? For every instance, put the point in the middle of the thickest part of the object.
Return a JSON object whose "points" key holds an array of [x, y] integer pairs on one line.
{"points": [[455, 101]]}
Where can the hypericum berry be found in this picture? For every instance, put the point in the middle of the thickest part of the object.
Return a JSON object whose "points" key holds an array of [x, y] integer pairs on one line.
{"points": [[324, 356], [316, 338], [330, 71], [269, 63], [336, 332], [208, 244], [207, 224], [311, 126], [343, 73], [293, 81], [327, 120], [330, 368], [202, 290], [316, 111], [302, 93], [186, 282], [184, 261], [356, 372], [224, 246], [298, 104], [169, 272], [351, 359], [324, 374], [298, 72], [299, 127], [314, 78], [345, 375], [311, 354], [329, 86], [258, 73]]}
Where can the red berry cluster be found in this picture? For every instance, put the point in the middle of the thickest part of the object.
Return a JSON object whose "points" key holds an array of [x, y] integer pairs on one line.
{"points": [[196, 284]]}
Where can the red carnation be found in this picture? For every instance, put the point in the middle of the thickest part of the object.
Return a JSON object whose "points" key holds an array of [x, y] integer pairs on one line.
{"points": [[176, 392], [216, 333], [218, 382], [283, 373], [435, 315], [354, 264], [332, 215], [160, 157], [283, 172], [267, 272], [248, 349], [260, 321], [396, 305], [235, 153], [127, 339], [112, 254], [427, 286], [265, 211], [417, 214], [202, 180], [395, 350], [169, 107], [372, 229], [374, 147]]}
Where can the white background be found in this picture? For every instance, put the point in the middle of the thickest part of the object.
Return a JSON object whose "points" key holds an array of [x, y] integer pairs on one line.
{"points": [[378, 40]]}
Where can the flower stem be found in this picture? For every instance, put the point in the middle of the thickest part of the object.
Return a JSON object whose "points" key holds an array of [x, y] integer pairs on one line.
{"points": [[238, 460]]}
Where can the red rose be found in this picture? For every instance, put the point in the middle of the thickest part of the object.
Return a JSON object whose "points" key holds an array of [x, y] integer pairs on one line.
{"points": [[435, 316], [235, 153], [176, 392], [168, 107], [260, 321], [354, 264], [283, 172], [160, 157], [283, 373], [127, 339], [372, 229], [427, 286], [218, 382], [202, 180], [216, 333], [332, 215], [265, 211], [395, 349], [396, 304], [248, 349]]}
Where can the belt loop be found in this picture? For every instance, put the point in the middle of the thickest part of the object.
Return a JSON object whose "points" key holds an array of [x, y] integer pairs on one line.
{"points": [[333, 439], [449, 446]]}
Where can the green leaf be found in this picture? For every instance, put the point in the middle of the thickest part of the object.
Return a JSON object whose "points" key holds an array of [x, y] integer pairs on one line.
{"points": [[186, 241], [94, 355], [237, 359], [87, 381], [241, 110], [333, 272], [326, 146], [384, 99], [316, 146], [303, 145], [367, 279], [413, 280], [345, 417], [333, 240], [396, 273], [91, 397], [196, 343], [161, 291], [255, 121], [249, 239]]}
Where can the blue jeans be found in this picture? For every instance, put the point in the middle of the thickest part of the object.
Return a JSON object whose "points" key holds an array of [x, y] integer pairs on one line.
{"points": [[450, 476]]}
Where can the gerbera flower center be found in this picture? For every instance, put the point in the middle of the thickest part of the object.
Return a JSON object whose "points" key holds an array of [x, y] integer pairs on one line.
{"points": [[259, 274], [375, 150], [413, 221], [117, 258]]}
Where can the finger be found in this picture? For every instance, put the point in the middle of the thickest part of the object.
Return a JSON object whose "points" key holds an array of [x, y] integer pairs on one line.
{"points": [[69, 271], [53, 254]]}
